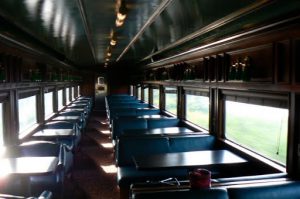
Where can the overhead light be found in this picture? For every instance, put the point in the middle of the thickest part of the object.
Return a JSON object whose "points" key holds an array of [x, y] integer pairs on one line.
{"points": [[107, 59], [121, 17], [108, 54], [119, 22], [113, 42]]}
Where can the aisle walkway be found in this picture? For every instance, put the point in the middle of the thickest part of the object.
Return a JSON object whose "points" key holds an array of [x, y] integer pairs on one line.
{"points": [[94, 174]]}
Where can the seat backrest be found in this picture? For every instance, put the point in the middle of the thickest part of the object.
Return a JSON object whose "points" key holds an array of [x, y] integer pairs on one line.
{"points": [[192, 143], [122, 123], [127, 147], [213, 193], [115, 112], [162, 122], [129, 105], [290, 190], [147, 112]]}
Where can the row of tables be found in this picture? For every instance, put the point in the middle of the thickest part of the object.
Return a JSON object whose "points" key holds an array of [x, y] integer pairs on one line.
{"points": [[31, 160]]}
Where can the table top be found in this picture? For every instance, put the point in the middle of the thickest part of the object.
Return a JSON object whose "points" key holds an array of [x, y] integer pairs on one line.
{"points": [[67, 117], [151, 116], [160, 131], [28, 165], [187, 159], [54, 132], [74, 109]]}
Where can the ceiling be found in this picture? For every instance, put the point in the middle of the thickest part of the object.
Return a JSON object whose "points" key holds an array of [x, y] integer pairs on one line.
{"points": [[80, 31]]}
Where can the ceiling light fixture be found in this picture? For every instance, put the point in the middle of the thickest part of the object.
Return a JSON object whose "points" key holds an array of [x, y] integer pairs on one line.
{"points": [[121, 11], [121, 16], [119, 23], [113, 42]]}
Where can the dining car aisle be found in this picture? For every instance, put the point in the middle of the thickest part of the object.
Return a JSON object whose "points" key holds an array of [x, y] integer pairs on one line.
{"points": [[94, 174]]}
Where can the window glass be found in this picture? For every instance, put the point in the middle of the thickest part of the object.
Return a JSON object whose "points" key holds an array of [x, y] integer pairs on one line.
{"points": [[72, 93], [60, 99], [262, 129], [67, 95], [27, 113], [78, 90], [146, 94], [1, 126], [139, 93], [171, 100], [131, 89], [48, 103], [197, 110], [155, 94]]}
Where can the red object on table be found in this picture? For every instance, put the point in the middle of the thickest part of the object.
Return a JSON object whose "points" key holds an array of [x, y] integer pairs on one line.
{"points": [[200, 178]]}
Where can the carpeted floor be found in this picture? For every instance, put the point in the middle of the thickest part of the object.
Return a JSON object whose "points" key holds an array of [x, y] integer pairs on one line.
{"points": [[94, 173]]}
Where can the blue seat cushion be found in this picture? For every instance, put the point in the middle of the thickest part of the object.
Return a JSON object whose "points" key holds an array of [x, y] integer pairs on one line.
{"points": [[192, 143], [277, 191], [213, 193], [162, 122]]}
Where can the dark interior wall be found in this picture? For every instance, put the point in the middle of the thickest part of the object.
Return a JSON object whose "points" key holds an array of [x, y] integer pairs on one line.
{"points": [[118, 80], [87, 86]]}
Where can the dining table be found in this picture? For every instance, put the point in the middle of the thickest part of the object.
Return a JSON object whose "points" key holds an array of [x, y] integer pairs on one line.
{"points": [[164, 131], [54, 133], [191, 159]]}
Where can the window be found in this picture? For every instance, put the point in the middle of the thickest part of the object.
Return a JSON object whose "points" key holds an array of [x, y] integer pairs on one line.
{"points": [[197, 109], [146, 94], [72, 93], [78, 91], [67, 95], [155, 95], [1, 126], [27, 113], [260, 128], [60, 99], [48, 104], [131, 90], [171, 100], [139, 90]]}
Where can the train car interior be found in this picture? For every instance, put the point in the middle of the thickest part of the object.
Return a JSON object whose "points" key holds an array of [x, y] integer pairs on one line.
{"points": [[140, 99]]}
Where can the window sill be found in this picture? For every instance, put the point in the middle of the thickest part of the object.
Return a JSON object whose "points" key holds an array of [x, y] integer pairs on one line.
{"points": [[255, 155]]}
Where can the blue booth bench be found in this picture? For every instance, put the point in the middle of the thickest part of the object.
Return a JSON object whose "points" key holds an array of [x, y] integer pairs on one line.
{"points": [[128, 105], [279, 190], [127, 147], [123, 123]]}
